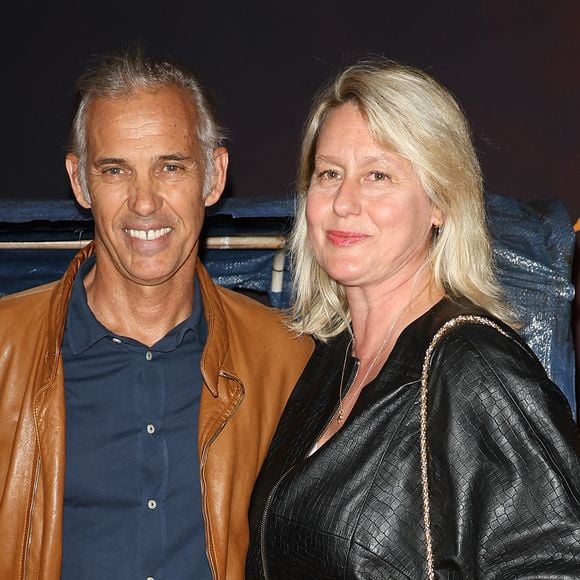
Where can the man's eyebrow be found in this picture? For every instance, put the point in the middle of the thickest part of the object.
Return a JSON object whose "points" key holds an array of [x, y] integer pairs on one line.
{"points": [[120, 161], [108, 161], [174, 157]]}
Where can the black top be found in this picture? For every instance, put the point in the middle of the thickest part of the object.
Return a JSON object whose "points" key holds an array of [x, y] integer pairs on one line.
{"points": [[503, 460]]}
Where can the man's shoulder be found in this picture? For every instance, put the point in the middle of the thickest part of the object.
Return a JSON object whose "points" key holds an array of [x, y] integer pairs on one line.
{"points": [[24, 314], [238, 304], [27, 298], [253, 319], [240, 299]]}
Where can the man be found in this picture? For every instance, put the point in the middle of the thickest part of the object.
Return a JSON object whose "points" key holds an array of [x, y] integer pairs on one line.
{"points": [[137, 398]]}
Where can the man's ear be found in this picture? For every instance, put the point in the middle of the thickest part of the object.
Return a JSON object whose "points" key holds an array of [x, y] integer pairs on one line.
{"points": [[72, 168], [220, 170]]}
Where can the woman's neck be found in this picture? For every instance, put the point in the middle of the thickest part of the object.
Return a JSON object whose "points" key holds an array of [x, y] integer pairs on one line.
{"points": [[379, 317]]}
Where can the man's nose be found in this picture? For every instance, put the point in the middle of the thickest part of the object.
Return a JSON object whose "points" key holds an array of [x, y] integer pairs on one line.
{"points": [[144, 198]]}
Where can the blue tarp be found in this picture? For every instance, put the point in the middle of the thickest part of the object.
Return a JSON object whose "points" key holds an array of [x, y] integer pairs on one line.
{"points": [[533, 245]]}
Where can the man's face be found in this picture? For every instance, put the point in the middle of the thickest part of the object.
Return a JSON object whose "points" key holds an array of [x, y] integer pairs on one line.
{"points": [[145, 174]]}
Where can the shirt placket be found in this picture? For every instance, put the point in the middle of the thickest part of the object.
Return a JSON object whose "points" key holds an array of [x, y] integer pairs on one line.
{"points": [[153, 462]]}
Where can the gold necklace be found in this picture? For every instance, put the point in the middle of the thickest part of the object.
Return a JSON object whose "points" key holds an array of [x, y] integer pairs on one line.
{"points": [[340, 410]]}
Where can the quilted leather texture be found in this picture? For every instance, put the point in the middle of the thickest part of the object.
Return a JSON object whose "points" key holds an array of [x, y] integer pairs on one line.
{"points": [[503, 459]]}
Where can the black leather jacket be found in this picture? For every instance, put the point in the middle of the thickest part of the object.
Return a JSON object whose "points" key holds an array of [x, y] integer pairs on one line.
{"points": [[504, 467]]}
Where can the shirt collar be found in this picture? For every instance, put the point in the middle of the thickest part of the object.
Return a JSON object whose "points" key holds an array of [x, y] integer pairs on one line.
{"points": [[83, 330]]}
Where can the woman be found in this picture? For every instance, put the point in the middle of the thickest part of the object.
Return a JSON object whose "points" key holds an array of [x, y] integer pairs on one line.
{"points": [[390, 461]]}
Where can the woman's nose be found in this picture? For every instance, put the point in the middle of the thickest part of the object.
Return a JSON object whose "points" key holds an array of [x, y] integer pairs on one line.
{"points": [[347, 199]]}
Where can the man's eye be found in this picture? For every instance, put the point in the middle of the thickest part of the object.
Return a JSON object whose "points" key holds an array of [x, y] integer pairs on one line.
{"points": [[112, 171], [172, 168]]}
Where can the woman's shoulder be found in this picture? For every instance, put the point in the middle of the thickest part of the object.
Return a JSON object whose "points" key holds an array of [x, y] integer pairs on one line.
{"points": [[462, 334], [452, 317], [478, 361]]}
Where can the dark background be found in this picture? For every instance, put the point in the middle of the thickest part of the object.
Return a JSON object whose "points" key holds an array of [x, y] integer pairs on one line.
{"points": [[513, 65]]}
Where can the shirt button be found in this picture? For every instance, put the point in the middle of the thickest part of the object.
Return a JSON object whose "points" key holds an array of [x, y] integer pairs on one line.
{"points": [[151, 504], [150, 578], [150, 429], [116, 340], [148, 355]]}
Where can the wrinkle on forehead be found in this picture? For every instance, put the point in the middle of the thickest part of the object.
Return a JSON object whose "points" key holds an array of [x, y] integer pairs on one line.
{"points": [[143, 117]]}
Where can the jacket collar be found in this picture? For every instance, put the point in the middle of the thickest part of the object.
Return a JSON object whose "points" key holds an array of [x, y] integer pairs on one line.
{"points": [[216, 354], [58, 311]]}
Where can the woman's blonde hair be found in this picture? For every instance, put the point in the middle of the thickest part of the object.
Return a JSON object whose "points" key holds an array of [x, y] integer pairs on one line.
{"points": [[411, 114]]}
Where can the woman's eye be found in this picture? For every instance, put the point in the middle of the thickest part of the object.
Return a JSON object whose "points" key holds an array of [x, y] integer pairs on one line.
{"points": [[328, 174], [378, 176]]}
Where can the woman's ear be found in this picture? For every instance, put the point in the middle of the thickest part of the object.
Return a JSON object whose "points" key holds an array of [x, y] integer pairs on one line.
{"points": [[436, 217]]}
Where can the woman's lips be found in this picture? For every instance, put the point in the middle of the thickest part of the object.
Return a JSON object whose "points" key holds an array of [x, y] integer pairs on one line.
{"points": [[341, 238]]}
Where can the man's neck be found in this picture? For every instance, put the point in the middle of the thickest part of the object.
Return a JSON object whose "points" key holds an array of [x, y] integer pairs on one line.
{"points": [[143, 313]]}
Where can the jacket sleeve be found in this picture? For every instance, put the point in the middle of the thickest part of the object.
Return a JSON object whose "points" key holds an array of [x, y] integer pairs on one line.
{"points": [[504, 466]]}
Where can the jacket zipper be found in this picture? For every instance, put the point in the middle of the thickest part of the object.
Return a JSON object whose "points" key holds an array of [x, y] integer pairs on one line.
{"points": [[202, 469], [353, 376], [30, 516], [263, 522]]}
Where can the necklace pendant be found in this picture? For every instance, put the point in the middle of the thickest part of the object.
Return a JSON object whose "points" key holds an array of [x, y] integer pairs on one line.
{"points": [[340, 417]]}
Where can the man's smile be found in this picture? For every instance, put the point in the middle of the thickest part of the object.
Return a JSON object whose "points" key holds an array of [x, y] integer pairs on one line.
{"points": [[147, 234]]}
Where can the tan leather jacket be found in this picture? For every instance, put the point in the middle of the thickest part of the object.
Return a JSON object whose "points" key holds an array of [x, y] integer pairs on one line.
{"points": [[249, 366]]}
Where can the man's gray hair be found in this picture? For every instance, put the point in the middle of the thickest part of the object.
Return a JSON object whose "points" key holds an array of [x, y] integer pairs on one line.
{"points": [[117, 76]]}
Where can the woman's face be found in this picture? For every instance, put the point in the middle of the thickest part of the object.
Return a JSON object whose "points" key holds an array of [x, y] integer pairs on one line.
{"points": [[369, 218]]}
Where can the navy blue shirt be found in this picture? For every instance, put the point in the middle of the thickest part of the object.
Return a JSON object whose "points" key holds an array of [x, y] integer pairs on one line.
{"points": [[132, 502]]}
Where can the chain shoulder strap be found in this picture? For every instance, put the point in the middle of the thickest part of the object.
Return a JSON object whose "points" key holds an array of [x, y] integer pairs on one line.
{"points": [[424, 399]]}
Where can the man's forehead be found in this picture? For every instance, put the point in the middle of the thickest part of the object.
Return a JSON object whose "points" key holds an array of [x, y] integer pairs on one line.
{"points": [[167, 104], [160, 122]]}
